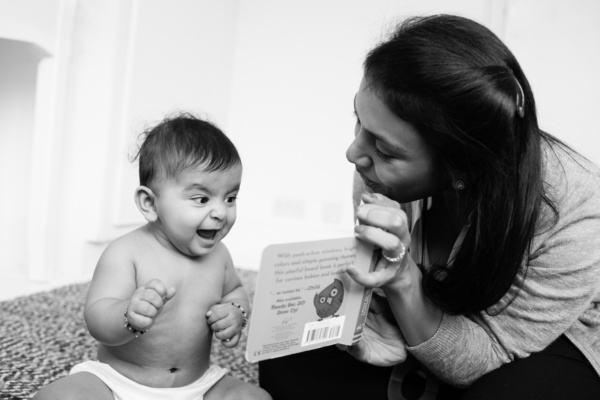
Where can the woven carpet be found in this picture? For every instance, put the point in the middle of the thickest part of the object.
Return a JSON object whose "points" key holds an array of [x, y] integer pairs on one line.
{"points": [[43, 335]]}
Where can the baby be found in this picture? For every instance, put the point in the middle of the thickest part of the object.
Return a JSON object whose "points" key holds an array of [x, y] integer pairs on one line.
{"points": [[159, 292]]}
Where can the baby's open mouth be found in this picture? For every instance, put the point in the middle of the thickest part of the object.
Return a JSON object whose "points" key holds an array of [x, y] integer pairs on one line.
{"points": [[207, 233]]}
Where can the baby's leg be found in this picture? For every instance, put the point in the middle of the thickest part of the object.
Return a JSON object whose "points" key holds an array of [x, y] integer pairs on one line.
{"points": [[229, 388], [80, 386]]}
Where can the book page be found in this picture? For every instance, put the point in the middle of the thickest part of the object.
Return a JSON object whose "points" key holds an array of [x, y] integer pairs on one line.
{"points": [[304, 299]]}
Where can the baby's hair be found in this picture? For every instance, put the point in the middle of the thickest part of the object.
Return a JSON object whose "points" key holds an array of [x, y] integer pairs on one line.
{"points": [[179, 142]]}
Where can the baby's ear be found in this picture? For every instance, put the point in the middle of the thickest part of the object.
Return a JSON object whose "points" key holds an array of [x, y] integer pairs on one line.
{"points": [[145, 200]]}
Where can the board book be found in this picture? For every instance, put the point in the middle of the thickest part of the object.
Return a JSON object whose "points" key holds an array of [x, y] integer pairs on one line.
{"points": [[304, 300]]}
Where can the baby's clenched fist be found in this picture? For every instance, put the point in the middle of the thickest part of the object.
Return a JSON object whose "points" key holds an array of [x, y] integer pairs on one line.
{"points": [[147, 302]]}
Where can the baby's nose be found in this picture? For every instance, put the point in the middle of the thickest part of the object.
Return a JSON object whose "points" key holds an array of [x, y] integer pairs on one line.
{"points": [[218, 211]]}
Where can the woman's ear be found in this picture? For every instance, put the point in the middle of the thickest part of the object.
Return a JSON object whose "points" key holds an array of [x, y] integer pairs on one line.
{"points": [[145, 200]]}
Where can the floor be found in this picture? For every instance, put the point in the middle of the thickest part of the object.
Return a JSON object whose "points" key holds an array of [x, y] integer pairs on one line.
{"points": [[12, 286]]}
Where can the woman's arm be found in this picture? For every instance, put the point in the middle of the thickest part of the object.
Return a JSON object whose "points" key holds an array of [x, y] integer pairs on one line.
{"points": [[559, 285]]}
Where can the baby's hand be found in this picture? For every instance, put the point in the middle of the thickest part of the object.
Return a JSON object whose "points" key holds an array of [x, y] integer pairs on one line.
{"points": [[227, 321], [147, 302]]}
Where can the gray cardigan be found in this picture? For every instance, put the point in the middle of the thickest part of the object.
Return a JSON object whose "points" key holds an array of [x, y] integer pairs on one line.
{"points": [[560, 293]]}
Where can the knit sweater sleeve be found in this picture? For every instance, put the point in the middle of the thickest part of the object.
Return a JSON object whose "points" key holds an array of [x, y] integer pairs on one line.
{"points": [[561, 282]]}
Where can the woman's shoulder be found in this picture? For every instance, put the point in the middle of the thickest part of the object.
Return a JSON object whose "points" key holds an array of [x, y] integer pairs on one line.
{"points": [[571, 182], [561, 162]]}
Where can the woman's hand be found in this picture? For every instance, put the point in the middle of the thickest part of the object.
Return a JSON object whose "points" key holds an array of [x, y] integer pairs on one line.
{"points": [[382, 343], [382, 223]]}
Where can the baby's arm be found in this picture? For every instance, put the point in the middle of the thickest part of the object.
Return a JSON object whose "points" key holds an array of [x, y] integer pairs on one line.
{"points": [[230, 316], [113, 291]]}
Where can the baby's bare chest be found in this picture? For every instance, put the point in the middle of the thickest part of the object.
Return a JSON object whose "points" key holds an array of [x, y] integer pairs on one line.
{"points": [[198, 285]]}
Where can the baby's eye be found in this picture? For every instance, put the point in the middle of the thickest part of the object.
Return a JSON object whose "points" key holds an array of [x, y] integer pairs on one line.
{"points": [[201, 199], [231, 199]]}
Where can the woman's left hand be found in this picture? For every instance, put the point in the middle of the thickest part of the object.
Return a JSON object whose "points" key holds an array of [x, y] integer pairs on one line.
{"points": [[383, 223], [382, 343]]}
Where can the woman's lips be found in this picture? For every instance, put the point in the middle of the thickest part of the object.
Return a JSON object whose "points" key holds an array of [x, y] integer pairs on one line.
{"points": [[368, 182]]}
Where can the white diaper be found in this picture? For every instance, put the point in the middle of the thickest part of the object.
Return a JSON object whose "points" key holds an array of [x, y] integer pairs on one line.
{"points": [[125, 389]]}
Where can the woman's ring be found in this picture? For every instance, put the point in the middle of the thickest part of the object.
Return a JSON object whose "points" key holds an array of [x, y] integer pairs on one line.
{"points": [[398, 258]]}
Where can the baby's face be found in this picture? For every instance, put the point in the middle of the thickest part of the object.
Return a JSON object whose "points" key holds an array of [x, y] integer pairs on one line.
{"points": [[197, 210]]}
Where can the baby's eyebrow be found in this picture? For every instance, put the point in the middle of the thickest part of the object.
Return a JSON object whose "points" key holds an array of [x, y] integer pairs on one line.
{"points": [[202, 188], [196, 186]]}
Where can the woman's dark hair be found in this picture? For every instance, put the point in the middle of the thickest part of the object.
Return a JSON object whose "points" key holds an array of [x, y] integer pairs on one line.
{"points": [[180, 142], [460, 87]]}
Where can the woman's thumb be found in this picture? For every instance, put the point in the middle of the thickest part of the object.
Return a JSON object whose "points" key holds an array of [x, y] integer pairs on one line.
{"points": [[378, 198]]}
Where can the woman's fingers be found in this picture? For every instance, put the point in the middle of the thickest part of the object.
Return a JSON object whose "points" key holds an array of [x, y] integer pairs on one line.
{"points": [[387, 218], [387, 241], [382, 223], [383, 274], [379, 199], [384, 226]]}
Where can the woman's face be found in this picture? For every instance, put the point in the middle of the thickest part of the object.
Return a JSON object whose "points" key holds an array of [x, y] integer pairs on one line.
{"points": [[389, 154]]}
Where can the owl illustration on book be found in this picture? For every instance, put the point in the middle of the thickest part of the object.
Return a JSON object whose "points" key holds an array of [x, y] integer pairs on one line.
{"points": [[329, 300]]}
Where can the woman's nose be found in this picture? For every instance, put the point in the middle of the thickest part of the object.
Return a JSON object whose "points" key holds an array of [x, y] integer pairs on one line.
{"points": [[356, 153]]}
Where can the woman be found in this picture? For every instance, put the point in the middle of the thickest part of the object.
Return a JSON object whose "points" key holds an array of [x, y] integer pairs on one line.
{"points": [[489, 228]]}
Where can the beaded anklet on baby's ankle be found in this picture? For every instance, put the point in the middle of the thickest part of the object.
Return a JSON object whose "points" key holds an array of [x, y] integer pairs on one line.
{"points": [[130, 328], [244, 314]]}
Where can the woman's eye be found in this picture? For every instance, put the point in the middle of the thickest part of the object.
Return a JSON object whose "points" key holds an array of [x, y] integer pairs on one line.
{"points": [[382, 155]]}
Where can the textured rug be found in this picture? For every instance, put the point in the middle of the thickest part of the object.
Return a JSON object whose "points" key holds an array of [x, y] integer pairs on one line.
{"points": [[43, 335]]}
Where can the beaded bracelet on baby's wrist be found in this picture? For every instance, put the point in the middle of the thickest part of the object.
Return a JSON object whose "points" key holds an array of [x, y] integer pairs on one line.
{"points": [[130, 328], [244, 314]]}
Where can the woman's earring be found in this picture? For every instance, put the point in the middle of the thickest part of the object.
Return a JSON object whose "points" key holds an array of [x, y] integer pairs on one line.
{"points": [[459, 185]]}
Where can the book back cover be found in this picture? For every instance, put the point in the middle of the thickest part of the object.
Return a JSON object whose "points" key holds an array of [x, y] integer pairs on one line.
{"points": [[304, 299]]}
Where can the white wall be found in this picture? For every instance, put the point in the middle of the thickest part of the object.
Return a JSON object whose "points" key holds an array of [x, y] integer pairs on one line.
{"points": [[278, 76], [29, 104], [558, 46], [17, 110], [30, 21]]}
